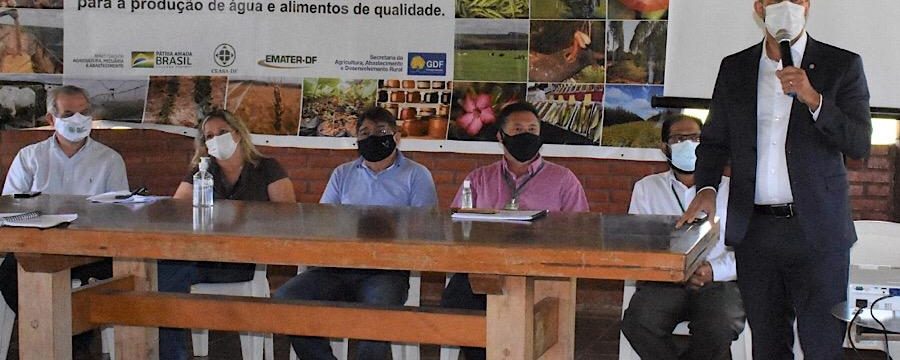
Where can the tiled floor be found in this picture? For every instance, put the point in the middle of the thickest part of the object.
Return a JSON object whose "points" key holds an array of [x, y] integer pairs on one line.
{"points": [[596, 330]]}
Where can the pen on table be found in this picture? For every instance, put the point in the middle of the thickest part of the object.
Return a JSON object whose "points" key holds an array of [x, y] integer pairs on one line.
{"points": [[473, 211], [26, 195]]}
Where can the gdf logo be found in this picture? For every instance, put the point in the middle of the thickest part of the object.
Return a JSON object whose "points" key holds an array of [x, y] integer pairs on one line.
{"points": [[224, 55]]}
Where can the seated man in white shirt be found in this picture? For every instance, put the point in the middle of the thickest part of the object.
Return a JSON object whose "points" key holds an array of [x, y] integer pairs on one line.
{"points": [[67, 163], [710, 299]]}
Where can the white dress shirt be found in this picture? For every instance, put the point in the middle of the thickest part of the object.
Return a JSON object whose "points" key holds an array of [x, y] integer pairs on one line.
{"points": [[94, 169], [773, 113], [654, 195]]}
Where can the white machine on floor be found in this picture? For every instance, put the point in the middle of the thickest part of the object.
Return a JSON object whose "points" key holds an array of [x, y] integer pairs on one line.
{"points": [[868, 284]]}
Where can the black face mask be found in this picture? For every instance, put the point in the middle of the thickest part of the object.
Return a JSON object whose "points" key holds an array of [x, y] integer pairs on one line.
{"points": [[523, 147], [377, 148]]}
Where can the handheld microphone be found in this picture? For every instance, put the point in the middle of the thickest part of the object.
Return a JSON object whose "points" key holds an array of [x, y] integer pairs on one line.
{"points": [[784, 44]]}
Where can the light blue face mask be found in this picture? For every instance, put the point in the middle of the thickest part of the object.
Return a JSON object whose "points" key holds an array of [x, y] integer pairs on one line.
{"points": [[684, 155]]}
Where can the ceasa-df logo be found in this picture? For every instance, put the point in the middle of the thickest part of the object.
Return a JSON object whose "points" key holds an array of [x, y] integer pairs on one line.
{"points": [[427, 64]]}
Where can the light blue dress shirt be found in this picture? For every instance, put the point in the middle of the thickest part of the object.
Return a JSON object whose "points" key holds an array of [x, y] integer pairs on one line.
{"points": [[404, 183]]}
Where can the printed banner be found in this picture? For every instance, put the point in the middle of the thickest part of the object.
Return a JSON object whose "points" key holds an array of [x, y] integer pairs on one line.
{"points": [[298, 71], [337, 39]]}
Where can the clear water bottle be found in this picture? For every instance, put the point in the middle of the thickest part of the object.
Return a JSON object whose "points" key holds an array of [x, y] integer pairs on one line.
{"points": [[203, 185], [467, 202]]}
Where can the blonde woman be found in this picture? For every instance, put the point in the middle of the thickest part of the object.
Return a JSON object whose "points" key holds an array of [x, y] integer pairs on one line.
{"points": [[240, 172]]}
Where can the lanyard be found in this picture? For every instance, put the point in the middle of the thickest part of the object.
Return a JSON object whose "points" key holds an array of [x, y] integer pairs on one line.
{"points": [[677, 198], [516, 190]]}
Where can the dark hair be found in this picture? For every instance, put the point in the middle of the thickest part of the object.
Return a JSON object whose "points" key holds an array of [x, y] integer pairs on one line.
{"points": [[376, 115], [514, 108], [667, 124]]}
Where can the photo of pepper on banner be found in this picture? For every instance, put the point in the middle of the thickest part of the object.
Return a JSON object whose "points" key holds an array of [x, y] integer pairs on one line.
{"points": [[181, 100], [638, 9], [567, 51], [269, 106], [331, 106]]}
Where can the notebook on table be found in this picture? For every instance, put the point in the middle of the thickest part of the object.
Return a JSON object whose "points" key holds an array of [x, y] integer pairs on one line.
{"points": [[497, 215], [35, 219]]}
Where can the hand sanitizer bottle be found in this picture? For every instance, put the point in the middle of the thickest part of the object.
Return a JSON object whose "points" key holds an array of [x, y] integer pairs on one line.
{"points": [[203, 185]]}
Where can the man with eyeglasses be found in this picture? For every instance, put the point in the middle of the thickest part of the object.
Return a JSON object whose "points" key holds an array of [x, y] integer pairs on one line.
{"points": [[67, 163], [382, 176], [521, 180], [710, 299], [786, 131]]}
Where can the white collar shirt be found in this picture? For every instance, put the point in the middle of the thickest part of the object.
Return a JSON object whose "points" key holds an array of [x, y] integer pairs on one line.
{"points": [[44, 167], [663, 194]]}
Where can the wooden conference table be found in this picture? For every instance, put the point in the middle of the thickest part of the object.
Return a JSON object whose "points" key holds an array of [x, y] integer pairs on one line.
{"points": [[527, 270]]}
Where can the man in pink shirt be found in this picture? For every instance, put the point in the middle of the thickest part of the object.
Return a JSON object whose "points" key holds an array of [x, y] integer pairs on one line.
{"points": [[522, 180]]}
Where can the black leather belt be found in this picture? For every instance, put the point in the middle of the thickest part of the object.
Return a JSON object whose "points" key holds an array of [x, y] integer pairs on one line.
{"points": [[779, 210]]}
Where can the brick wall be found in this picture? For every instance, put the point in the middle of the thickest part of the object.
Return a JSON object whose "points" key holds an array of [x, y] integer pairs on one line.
{"points": [[159, 160]]}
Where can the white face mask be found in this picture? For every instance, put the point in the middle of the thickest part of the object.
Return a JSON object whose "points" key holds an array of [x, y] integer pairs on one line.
{"points": [[787, 17], [684, 155], [73, 128], [221, 147]]}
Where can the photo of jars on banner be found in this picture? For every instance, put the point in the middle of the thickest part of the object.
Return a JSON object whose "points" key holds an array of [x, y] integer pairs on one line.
{"points": [[422, 107]]}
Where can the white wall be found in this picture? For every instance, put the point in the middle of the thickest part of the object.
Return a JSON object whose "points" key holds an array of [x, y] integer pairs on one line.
{"points": [[702, 32]]}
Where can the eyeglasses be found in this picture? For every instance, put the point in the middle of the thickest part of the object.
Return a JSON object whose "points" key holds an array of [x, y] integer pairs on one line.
{"points": [[366, 133], [213, 134], [86, 112], [677, 138]]}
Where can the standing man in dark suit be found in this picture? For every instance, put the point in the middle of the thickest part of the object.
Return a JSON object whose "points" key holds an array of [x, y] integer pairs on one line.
{"points": [[788, 212]]}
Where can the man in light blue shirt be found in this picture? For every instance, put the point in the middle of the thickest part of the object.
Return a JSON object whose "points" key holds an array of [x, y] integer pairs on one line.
{"points": [[381, 176]]}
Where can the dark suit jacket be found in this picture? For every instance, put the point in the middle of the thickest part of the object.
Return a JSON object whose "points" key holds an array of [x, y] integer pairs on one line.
{"points": [[815, 149]]}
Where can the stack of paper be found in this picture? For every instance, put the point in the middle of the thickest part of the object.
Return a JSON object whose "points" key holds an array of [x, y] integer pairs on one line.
{"points": [[110, 198]]}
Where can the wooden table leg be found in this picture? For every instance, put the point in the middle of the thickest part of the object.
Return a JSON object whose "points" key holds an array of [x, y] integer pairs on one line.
{"points": [[531, 319], [137, 343], [45, 315], [563, 291], [510, 320]]}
